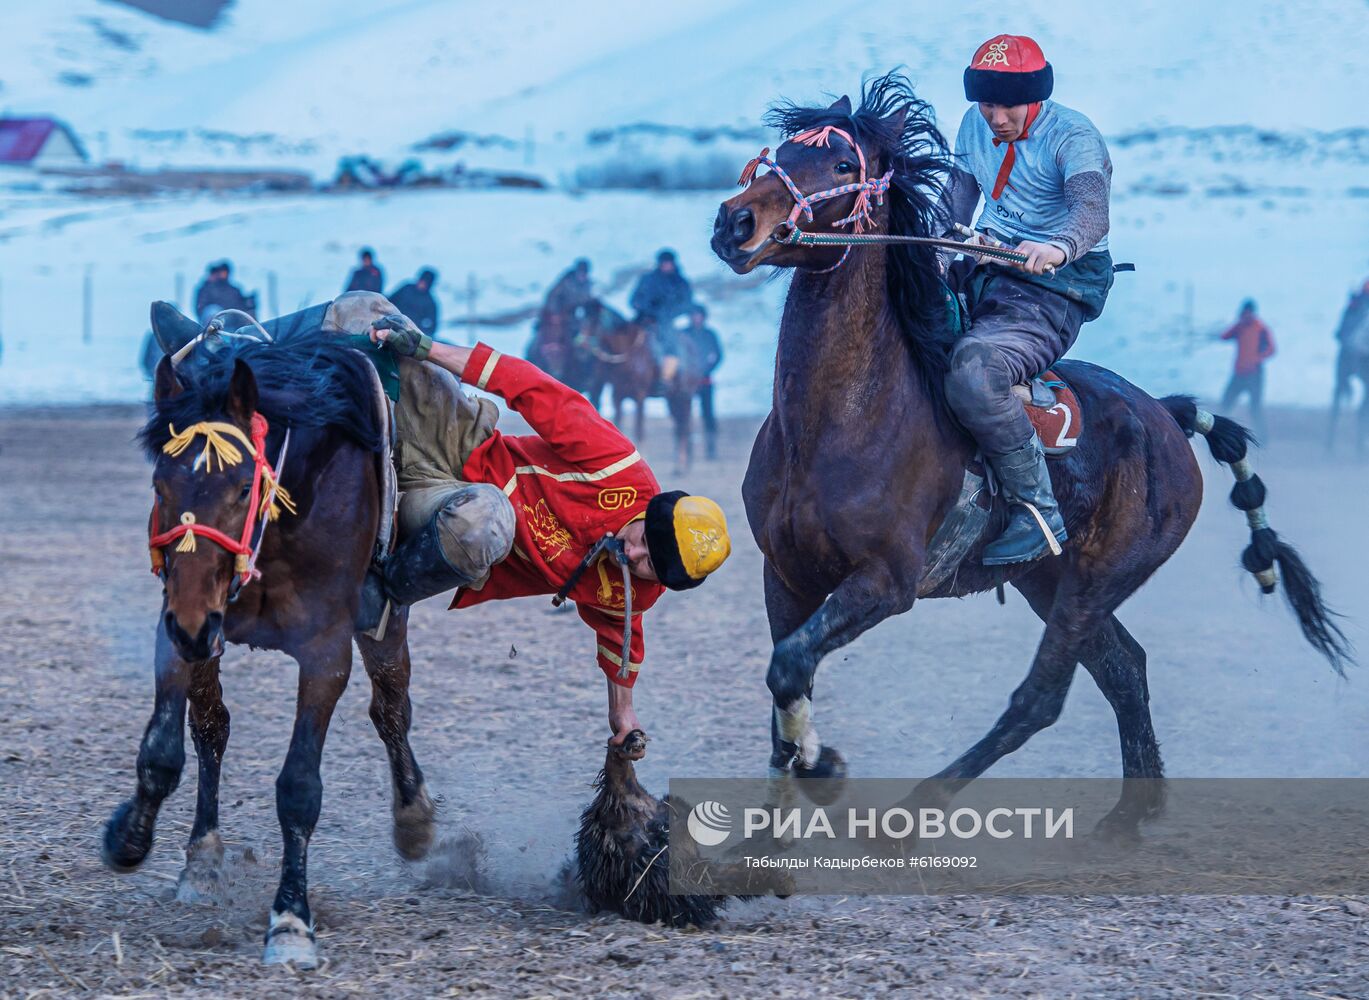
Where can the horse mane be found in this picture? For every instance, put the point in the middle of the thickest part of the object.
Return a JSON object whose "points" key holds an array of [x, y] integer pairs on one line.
{"points": [[921, 160], [311, 379]]}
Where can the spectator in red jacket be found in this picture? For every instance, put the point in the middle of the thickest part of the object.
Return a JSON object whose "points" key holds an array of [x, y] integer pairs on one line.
{"points": [[1254, 346], [491, 516]]}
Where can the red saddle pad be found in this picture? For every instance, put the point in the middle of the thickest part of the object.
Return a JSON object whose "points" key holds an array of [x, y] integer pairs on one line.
{"points": [[1058, 425]]}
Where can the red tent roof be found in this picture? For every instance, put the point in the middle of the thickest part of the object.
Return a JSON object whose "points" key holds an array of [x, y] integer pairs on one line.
{"points": [[21, 139]]}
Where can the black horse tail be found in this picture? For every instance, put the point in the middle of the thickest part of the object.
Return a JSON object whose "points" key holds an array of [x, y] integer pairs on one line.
{"points": [[1229, 443]]}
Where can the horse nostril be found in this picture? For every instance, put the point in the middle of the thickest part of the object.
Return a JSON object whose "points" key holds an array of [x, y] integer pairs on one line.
{"points": [[743, 225], [169, 619], [214, 622], [720, 222]]}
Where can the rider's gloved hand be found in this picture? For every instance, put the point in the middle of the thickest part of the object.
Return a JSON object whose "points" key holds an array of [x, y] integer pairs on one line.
{"points": [[400, 335]]}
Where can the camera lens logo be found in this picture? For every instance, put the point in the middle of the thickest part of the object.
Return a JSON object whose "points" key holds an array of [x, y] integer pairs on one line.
{"points": [[709, 823]]}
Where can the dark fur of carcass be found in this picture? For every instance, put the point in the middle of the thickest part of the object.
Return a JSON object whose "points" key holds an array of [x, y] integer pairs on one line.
{"points": [[624, 831]]}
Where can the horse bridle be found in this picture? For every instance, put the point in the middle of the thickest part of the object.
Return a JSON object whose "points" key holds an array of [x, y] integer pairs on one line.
{"points": [[265, 502], [869, 191]]}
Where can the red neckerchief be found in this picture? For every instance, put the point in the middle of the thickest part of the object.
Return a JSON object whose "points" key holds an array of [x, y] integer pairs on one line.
{"points": [[1001, 181]]}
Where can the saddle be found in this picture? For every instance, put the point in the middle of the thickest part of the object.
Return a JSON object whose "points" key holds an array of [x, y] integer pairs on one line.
{"points": [[1054, 411]]}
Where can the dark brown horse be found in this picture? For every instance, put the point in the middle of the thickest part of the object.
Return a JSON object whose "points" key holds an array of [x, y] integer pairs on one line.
{"points": [[311, 563], [860, 461]]}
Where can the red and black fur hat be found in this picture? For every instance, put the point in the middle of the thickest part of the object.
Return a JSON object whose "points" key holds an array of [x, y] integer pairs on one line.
{"points": [[1009, 70]]}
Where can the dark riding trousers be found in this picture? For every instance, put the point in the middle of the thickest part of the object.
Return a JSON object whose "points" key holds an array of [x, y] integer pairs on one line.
{"points": [[1019, 325]]}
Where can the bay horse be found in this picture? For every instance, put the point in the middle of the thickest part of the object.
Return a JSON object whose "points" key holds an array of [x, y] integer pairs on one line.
{"points": [[623, 360], [860, 460], [214, 430]]}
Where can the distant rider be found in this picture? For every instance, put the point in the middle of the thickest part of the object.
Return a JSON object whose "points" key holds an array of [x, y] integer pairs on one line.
{"points": [[660, 297]]}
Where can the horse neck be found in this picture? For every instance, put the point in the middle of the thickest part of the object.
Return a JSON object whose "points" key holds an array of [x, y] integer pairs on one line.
{"points": [[841, 350]]}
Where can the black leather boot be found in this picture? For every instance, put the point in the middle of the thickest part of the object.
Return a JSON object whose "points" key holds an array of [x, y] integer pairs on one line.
{"points": [[417, 568], [1027, 485]]}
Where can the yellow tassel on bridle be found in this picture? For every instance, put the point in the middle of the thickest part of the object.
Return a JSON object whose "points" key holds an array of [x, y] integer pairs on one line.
{"points": [[216, 445], [280, 497], [187, 543]]}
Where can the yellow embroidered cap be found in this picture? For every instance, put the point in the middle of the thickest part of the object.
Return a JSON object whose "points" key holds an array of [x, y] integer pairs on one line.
{"points": [[687, 538]]}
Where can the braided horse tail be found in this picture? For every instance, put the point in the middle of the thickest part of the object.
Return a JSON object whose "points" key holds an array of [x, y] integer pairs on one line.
{"points": [[1229, 443]]}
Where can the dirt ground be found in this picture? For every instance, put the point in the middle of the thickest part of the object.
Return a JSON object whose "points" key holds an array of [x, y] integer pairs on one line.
{"points": [[509, 723]]}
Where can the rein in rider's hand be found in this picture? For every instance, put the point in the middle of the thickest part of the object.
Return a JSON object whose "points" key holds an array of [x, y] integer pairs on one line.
{"points": [[1041, 257]]}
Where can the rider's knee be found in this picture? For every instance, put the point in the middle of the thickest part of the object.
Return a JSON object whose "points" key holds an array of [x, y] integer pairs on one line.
{"points": [[475, 527], [976, 373]]}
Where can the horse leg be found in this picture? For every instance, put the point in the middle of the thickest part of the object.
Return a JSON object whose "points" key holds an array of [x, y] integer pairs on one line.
{"points": [[387, 663], [161, 757], [1036, 703], [786, 611], [1117, 664], [641, 417], [1338, 393], [861, 601], [209, 723], [325, 665], [680, 417], [1362, 430]]}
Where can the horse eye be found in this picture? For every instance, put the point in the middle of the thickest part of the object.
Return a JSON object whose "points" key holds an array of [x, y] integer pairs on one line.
{"points": [[844, 167], [246, 492]]}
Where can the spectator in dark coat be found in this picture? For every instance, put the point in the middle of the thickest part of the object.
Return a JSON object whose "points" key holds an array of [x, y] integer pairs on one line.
{"points": [[217, 292], [416, 301], [367, 277], [660, 297], [709, 350]]}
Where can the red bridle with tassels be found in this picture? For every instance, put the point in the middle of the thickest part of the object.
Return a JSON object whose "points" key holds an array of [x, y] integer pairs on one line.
{"points": [[264, 503]]}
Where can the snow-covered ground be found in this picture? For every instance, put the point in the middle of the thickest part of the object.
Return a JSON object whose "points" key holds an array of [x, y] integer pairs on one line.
{"points": [[1298, 255], [1240, 144]]}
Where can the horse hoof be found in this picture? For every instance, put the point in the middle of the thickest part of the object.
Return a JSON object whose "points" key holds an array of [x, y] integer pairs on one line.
{"points": [[290, 941], [120, 851], [1117, 831], [415, 829], [823, 783], [202, 877]]}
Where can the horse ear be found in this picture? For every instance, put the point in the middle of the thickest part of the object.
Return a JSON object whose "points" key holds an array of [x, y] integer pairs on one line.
{"points": [[165, 384], [841, 107], [898, 118], [242, 393]]}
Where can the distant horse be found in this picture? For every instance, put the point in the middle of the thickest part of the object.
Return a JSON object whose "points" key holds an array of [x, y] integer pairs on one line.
{"points": [[237, 567], [553, 346], [860, 459], [1352, 362], [624, 360]]}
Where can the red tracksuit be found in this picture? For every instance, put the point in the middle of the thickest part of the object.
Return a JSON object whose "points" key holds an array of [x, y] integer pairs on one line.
{"points": [[573, 482]]}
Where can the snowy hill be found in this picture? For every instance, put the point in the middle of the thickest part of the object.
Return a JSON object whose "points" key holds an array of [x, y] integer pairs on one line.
{"points": [[304, 82]]}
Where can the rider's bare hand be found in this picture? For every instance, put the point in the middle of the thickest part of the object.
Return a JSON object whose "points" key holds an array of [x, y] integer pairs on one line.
{"points": [[1040, 257], [622, 718]]}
